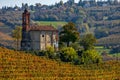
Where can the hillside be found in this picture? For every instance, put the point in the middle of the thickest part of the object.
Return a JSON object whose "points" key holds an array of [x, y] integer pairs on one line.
{"points": [[4, 36], [110, 40], [20, 65], [6, 40], [101, 18]]}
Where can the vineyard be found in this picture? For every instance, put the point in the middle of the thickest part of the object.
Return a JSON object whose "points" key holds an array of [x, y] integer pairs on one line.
{"points": [[111, 40], [20, 65]]}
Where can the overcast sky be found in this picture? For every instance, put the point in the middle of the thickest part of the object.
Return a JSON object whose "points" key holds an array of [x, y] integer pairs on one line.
{"points": [[19, 2]]}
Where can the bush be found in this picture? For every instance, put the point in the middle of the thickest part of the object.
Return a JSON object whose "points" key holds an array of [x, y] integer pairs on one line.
{"points": [[50, 52], [42, 53], [90, 56], [68, 54]]}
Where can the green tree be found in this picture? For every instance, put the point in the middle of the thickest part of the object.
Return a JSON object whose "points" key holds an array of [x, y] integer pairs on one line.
{"points": [[88, 41], [17, 34], [61, 2], [69, 33], [68, 54], [90, 56]]}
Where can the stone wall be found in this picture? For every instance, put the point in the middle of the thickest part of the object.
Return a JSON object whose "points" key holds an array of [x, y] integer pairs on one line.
{"points": [[35, 40], [41, 39]]}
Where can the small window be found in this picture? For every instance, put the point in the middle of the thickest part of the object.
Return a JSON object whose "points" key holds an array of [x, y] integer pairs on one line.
{"points": [[42, 35]]}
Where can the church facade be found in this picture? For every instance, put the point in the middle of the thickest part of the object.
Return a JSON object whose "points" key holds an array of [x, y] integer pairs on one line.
{"points": [[35, 37]]}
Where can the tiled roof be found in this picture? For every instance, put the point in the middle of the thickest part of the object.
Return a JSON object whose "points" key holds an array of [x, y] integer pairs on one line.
{"points": [[42, 28]]}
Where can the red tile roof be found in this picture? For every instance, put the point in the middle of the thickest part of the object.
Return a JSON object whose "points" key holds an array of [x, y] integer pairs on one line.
{"points": [[42, 28]]}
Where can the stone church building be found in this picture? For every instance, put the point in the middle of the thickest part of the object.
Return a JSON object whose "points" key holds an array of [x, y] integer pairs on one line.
{"points": [[35, 37]]}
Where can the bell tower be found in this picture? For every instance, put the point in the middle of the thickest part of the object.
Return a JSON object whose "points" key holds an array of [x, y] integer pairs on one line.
{"points": [[25, 43], [25, 20]]}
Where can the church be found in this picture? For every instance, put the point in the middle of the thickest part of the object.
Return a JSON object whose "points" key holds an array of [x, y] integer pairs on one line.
{"points": [[35, 37]]}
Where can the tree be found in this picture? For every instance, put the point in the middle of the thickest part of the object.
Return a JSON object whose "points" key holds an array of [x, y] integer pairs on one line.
{"points": [[71, 2], [88, 41], [90, 56], [68, 54], [17, 34], [61, 2], [69, 33]]}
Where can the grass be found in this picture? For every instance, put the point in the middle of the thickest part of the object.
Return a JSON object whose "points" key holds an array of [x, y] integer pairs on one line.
{"points": [[53, 23], [19, 65]]}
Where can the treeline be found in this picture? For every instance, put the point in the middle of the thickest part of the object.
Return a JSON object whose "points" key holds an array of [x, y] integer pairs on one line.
{"points": [[81, 12]]}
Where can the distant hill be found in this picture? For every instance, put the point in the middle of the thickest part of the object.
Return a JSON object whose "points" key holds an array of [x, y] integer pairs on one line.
{"points": [[101, 18], [20, 65]]}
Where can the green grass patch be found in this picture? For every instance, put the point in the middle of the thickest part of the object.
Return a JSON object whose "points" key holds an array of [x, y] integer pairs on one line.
{"points": [[99, 47], [53, 23]]}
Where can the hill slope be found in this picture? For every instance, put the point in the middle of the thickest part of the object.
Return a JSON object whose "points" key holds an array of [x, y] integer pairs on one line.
{"points": [[111, 40], [4, 36], [6, 40], [19, 65]]}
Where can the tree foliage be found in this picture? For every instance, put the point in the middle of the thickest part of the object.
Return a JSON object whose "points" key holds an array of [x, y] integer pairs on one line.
{"points": [[68, 54], [17, 34], [90, 56], [88, 41], [50, 52], [69, 33]]}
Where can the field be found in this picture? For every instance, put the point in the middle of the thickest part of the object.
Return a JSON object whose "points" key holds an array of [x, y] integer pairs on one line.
{"points": [[53, 23], [20, 65]]}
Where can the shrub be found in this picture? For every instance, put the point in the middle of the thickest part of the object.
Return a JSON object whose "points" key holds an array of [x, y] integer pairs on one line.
{"points": [[68, 54], [42, 53], [90, 56], [50, 52]]}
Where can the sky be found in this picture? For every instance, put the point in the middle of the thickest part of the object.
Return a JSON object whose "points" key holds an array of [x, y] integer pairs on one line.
{"points": [[12, 3]]}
